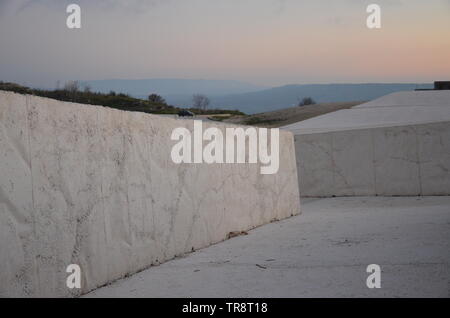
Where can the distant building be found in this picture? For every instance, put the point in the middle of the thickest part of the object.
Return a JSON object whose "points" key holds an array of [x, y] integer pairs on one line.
{"points": [[438, 86], [442, 85]]}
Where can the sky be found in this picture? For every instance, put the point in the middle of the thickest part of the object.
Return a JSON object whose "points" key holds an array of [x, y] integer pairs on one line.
{"points": [[265, 42]]}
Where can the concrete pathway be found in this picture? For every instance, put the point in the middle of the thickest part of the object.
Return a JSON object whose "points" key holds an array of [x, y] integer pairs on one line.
{"points": [[322, 253]]}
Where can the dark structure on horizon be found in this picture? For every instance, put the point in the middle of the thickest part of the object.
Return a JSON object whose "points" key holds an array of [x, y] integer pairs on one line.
{"points": [[442, 85], [438, 86]]}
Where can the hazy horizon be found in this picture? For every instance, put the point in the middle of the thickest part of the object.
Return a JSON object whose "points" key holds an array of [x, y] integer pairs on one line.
{"points": [[82, 83], [262, 42]]}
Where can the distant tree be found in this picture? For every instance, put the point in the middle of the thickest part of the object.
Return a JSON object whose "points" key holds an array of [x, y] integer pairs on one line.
{"points": [[306, 101], [112, 93], [72, 86], [87, 88], [155, 98], [114, 100], [200, 101]]}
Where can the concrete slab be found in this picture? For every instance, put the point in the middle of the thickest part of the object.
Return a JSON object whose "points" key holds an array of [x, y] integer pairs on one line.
{"points": [[315, 164], [397, 109], [434, 155], [396, 145], [408, 99], [396, 162], [323, 253], [352, 159], [96, 187]]}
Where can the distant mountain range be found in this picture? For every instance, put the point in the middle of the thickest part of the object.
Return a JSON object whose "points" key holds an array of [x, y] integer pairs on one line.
{"points": [[172, 87], [290, 95], [247, 97]]}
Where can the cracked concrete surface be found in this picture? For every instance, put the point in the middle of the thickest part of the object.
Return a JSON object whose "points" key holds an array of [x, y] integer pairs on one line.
{"points": [[397, 161], [322, 253], [397, 145], [96, 187]]}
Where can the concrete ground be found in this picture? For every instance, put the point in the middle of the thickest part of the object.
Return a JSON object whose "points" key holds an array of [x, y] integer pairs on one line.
{"points": [[322, 253]]}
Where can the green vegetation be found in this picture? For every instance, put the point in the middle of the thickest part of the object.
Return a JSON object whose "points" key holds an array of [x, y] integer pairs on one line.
{"points": [[71, 92], [155, 98]]}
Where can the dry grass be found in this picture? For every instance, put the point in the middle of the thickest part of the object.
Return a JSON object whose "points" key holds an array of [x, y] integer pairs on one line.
{"points": [[289, 116]]}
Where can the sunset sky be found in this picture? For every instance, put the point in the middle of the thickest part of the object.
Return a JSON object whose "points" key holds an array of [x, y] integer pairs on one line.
{"points": [[268, 42]]}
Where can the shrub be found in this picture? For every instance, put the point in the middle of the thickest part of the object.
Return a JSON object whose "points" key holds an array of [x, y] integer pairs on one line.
{"points": [[306, 101]]}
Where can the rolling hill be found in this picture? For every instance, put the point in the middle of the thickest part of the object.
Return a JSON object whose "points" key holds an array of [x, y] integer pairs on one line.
{"points": [[288, 96], [248, 98], [183, 88]]}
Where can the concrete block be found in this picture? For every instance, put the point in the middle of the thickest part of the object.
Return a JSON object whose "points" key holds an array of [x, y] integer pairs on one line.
{"points": [[96, 187], [434, 155], [353, 163], [396, 161], [16, 205], [315, 164]]}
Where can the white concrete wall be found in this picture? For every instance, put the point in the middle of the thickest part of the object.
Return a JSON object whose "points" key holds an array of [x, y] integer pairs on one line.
{"points": [[389, 161], [96, 187]]}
